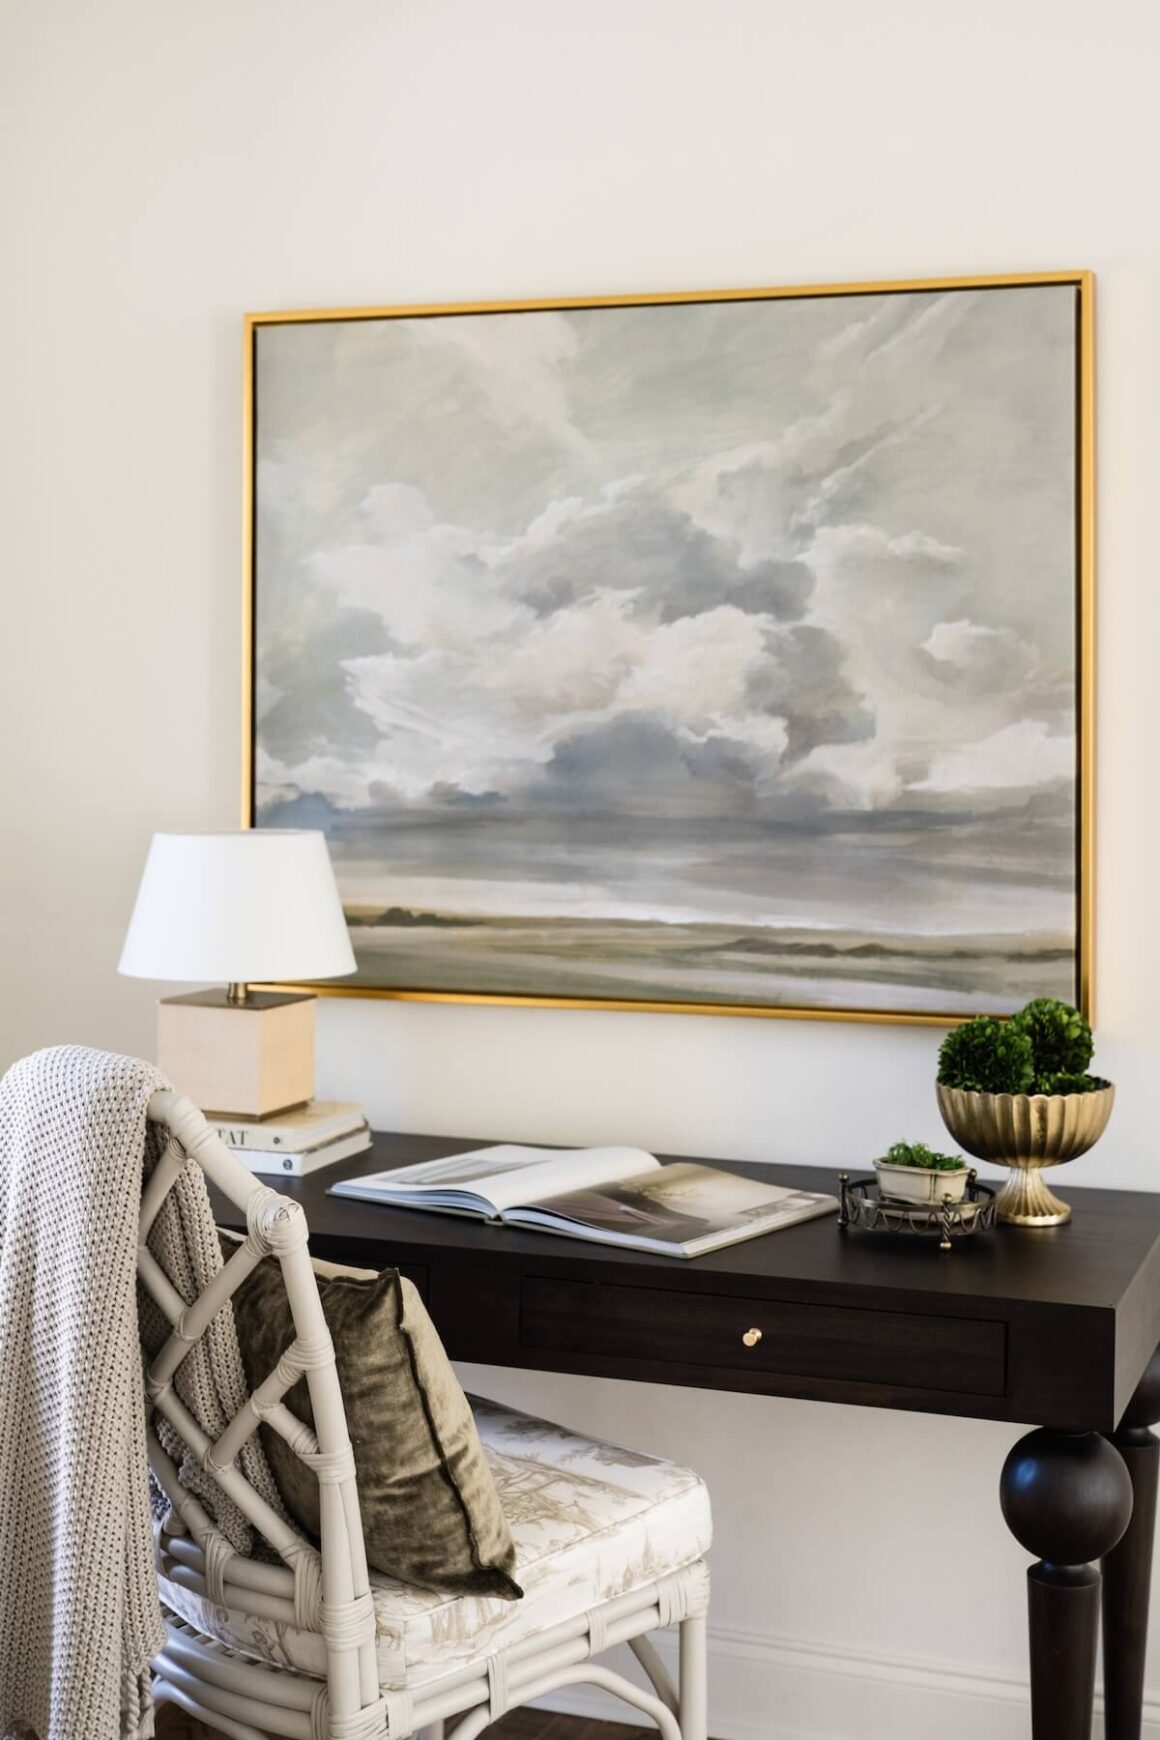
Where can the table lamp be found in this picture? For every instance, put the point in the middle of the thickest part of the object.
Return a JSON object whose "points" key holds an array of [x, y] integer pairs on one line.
{"points": [[257, 905]]}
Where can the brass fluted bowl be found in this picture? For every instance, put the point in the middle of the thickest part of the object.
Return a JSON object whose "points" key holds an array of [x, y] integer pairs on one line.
{"points": [[1027, 1132]]}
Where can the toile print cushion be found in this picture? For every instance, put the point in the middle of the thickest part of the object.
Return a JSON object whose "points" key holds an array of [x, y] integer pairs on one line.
{"points": [[430, 1509], [591, 1521]]}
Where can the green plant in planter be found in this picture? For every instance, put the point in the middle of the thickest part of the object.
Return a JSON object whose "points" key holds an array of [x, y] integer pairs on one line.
{"points": [[986, 1056], [1044, 1049], [918, 1154], [1061, 1042]]}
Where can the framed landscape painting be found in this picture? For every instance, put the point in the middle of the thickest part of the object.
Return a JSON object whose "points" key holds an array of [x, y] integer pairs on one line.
{"points": [[720, 652]]}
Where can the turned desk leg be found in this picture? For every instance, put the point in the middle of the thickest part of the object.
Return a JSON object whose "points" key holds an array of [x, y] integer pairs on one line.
{"points": [[1128, 1567], [1067, 1498]]}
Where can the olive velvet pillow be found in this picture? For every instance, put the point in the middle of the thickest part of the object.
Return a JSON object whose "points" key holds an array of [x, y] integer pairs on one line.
{"points": [[430, 1510]]}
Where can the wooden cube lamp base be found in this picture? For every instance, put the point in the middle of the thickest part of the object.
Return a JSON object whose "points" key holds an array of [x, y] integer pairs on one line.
{"points": [[248, 1059]]}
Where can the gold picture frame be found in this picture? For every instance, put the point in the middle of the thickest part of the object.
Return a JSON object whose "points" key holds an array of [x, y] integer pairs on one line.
{"points": [[1081, 281]]}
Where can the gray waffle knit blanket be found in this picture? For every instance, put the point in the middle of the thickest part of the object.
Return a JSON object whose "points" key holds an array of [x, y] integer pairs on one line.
{"points": [[79, 1615]]}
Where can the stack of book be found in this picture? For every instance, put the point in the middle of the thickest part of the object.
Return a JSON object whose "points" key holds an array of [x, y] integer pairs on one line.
{"points": [[300, 1141]]}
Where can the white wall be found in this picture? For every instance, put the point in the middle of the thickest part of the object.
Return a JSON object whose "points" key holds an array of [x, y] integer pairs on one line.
{"points": [[164, 168]]}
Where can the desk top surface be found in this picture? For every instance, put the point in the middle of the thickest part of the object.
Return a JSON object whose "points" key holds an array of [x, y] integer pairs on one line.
{"points": [[1053, 1327], [1107, 1252]]}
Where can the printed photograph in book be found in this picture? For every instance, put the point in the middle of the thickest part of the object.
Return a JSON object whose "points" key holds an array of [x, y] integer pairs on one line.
{"points": [[720, 653]]}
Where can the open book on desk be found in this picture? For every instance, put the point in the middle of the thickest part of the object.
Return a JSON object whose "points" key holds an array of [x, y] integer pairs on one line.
{"points": [[613, 1196]]}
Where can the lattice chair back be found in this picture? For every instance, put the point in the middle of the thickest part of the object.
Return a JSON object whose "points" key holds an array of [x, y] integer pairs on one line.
{"points": [[325, 1592]]}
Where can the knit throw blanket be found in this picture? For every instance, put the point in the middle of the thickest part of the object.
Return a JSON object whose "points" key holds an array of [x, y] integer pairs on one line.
{"points": [[79, 1615]]}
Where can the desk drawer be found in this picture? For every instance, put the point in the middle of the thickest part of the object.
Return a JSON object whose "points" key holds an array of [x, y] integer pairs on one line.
{"points": [[709, 1329]]}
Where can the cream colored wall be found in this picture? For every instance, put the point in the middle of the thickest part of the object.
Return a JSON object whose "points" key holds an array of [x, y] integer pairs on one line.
{"points": [[166, 167]]}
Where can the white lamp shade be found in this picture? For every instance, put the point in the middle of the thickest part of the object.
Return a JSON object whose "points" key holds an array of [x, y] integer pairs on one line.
{"points": [[251, 906]]}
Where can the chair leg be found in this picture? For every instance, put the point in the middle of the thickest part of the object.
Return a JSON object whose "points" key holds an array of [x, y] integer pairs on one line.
{"points": [[694, 1680]]}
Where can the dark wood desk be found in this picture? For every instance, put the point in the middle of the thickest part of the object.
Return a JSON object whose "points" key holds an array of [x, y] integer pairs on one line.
{"points": [[1056, 1329]]}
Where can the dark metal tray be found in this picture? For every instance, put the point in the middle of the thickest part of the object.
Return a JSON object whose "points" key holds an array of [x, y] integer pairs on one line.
{"points": [[863, 1206]]}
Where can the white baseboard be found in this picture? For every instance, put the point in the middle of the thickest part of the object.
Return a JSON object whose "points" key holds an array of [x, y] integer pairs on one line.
{"points": [[763, 1688]]}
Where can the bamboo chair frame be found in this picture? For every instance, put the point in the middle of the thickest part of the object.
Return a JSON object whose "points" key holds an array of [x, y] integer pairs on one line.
{"points": [[325, 1592]]}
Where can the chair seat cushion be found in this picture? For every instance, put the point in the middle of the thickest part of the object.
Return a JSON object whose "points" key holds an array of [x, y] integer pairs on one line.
{"points": [[590, 1522]]}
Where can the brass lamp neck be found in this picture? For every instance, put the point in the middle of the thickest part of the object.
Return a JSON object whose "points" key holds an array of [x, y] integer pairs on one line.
{"points": [[237, 991]]}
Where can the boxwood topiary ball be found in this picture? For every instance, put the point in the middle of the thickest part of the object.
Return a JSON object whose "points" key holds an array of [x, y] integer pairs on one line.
{"points": [[988, 1057], [1061, 1040]]}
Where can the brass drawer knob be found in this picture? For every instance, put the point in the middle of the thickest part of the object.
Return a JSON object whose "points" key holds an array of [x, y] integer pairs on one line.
{"points": [[751, 1337]]}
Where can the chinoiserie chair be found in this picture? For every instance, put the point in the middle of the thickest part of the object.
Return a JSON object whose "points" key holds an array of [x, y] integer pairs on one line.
{"points": [[314, 1648]]}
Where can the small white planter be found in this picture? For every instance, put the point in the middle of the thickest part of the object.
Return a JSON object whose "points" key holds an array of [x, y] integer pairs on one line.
{"points": [[924, 1185]]}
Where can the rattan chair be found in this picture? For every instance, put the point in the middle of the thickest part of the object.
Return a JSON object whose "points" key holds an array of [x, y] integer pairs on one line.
{"points": [[297, 1648]]}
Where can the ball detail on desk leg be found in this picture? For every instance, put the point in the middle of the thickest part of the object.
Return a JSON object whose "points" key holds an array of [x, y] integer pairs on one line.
{"points": [[1066, 1497]]}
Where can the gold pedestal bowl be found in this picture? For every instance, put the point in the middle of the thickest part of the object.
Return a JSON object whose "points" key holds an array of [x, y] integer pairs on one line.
{"points": [[1028, 1133]]}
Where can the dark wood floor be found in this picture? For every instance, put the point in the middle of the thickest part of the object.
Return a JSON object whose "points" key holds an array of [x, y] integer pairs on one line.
{"points": [[173, 1724], [542, 1725]]}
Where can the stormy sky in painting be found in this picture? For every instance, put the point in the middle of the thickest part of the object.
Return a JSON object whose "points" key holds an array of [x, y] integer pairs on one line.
{"points": [[797, 573]]}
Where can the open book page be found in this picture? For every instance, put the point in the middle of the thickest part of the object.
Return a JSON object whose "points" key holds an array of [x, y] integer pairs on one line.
{"points": [[491, 1180], [681, 1209]]}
